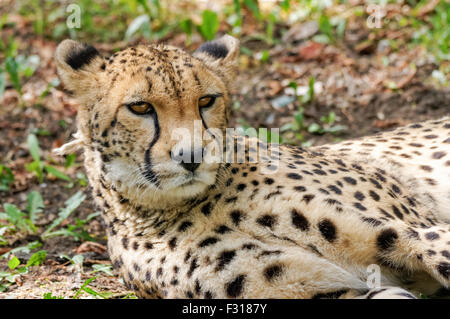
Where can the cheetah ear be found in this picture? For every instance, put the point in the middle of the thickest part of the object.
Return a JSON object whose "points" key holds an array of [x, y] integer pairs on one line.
{"points": [[221, 55], [78, 65]]}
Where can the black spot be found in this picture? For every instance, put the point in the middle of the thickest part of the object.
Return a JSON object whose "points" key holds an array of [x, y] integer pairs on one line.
{"points": [[266, 221], [350, 180], [374, 196], [300, 188], [106, 159], [231, 199], [189, 294], [208, 295], [446, 254], [332, 201], [197, 287], [80, 56], [405, 209], [217, 50], [340, 162], [269, 253], [173, 243], [376, 183], [327, 229], [294, 176], [299, 221], [335, 189], [359, 196], [269, 181], [431, 252], [272, 272], [224, 259], [386, 238], [249, 246], [432, 236], [444, 269], [241, 187], [159, 272], [187, 256], [222, 229], [360, 206], [206, 209], [148, 276], [319, 172], [396, 189], [184, 225], [208, 241], [148, 245], [371, 221], [234, 288], [272, 194], [308, 197], [397, 212], [438, 155], [125, 242], [236, 217], [411, 233], [192, 267]]}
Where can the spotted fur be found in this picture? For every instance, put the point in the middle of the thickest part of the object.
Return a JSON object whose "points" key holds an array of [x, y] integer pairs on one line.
{"points": [[306, 226]]}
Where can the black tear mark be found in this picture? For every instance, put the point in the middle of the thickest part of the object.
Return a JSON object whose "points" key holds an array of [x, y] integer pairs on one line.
{"points": [[148, 172]]}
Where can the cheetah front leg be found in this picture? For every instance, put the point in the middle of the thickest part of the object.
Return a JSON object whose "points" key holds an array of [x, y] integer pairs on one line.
{"points": [[418, 249], [255, 269]]}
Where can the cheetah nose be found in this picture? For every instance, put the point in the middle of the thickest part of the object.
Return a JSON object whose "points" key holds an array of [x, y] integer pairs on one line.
{"points": [[189, 160]]}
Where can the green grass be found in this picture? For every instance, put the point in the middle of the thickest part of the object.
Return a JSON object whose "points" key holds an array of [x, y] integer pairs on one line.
{"points": [[8, 278]]}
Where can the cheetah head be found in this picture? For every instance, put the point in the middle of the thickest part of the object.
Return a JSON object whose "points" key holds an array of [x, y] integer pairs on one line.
{"points": [[142, 109]]}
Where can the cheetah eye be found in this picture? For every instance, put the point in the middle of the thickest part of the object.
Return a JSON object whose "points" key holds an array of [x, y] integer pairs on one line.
{"points": [[206, 101], [141, 108]]}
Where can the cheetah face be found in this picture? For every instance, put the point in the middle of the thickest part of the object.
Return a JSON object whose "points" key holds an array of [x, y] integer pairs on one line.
{"points": [[149, 113]]}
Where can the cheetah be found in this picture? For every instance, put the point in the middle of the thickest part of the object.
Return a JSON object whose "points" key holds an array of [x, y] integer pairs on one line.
{"points": [[300, 223]]}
